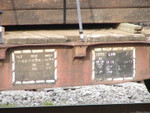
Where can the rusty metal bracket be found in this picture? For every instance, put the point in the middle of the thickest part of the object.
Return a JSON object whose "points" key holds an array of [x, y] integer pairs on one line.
{"points": [[3, 54], [80, 63], [79, 51]]}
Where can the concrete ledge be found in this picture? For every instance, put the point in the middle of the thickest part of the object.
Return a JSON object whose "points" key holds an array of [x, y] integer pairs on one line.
{"points": [[62, 36], [116, 37], [32, 37], [60, 39]]}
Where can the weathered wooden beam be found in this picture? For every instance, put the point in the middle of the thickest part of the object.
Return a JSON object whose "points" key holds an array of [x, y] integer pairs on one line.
{"points": [[36, 17], [131, 28], [58, 4], [32, 17]]}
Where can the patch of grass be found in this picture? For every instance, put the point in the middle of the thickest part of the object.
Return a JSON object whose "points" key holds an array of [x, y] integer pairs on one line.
{"points": [[7, 105], [48, 104]]}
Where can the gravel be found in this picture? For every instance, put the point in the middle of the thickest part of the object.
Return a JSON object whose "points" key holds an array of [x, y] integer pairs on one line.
{"points": [[130, 92]]}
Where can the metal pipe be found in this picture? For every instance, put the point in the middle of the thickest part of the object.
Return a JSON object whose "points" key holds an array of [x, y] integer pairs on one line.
{"points": [[64, 11], [80, 21], [0, 30]]}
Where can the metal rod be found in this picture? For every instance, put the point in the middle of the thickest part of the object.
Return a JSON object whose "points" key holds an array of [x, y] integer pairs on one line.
{"points": [[0, 34], [64, 11], [0, 30], [80, 21]]}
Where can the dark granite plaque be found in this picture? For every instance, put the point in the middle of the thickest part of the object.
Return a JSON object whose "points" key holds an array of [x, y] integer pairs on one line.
{"points": [[34, 66], [113, 63]]}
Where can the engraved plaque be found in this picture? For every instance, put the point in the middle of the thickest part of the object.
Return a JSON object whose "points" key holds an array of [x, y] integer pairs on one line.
{"points": [[34, 66], [114, 63]]}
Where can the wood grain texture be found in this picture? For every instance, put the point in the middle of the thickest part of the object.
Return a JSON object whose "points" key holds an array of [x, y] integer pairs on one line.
{"points": [[58, 4], [38, 17], [32, 17]]}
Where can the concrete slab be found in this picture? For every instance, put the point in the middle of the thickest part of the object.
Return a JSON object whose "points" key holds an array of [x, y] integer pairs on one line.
{"points": [[62, 36]]}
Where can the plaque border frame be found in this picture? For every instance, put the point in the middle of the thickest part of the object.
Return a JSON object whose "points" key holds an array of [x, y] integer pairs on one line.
{"points": [[32, 81], [114, 49]]}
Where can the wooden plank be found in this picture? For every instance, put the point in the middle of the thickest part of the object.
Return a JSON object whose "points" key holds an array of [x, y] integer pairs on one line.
{"points": [[120, 15], [36, 17], [30, 4], [58, 4], [32, 17]]}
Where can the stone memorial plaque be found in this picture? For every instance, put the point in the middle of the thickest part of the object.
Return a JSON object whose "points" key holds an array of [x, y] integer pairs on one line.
{"points": [[113, 63], [34, 66]]}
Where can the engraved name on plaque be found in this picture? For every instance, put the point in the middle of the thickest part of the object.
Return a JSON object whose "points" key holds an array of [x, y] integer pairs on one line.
{"points": [[34, 66], [113, 63]]}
